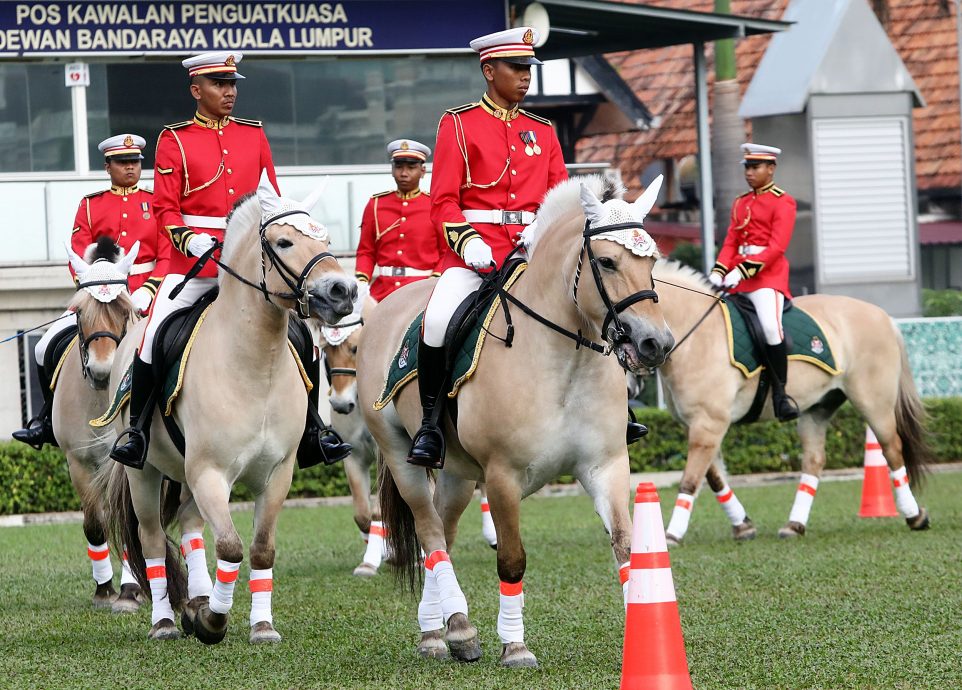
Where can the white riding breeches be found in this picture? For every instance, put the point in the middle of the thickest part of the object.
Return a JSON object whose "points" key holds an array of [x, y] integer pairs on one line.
{"points": [[56, 328], [768, 305], [454, 285], [163, 306]]}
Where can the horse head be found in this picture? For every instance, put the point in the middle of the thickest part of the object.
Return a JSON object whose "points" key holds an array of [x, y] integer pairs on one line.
{"points": [[102, 305], [617, 296], [340, 355]]}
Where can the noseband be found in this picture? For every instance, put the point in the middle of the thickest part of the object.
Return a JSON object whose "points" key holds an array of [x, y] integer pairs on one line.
{"points": [[86, 340], [341, 371]]}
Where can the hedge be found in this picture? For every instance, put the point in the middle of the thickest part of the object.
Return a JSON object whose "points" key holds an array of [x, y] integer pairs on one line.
{"points": [[941, 302], [37, 481]]}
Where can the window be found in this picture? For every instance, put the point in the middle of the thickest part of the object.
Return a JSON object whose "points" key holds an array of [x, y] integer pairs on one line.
{"points": [[36, 119]]}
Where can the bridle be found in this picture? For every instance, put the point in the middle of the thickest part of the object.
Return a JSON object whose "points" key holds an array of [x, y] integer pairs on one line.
{"points": [[342, 371], [85, 341], [297, 282]]}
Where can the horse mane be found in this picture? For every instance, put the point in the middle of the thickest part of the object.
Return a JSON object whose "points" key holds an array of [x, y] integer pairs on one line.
{"points": [[104, 248], [670, 270], [242, 220], [564, 200]]}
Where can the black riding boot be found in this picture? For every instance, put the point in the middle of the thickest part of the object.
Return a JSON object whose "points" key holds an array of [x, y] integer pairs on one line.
{"points": [[785, 407], [635, 429], [40, 429], [427, 448], [320, 442], [133, 453]]}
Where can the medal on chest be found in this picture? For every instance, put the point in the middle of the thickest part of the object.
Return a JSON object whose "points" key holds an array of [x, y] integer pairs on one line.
{"points": [[530, 139], [145, 206]]}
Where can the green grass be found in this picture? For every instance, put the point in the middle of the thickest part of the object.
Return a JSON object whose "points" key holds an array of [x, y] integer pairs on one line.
{"points": [[855, 604]]}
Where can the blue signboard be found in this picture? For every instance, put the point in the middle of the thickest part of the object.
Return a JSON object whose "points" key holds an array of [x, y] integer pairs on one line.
{"points": [[44, 29]]}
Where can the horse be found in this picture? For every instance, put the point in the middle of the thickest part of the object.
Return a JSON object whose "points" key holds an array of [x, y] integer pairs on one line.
{"points": [[543, 407], [707, 394], [241, 408], [104, 313]]}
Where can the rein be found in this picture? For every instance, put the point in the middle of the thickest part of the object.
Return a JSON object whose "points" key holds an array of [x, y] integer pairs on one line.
{"points": [[716, 301]]}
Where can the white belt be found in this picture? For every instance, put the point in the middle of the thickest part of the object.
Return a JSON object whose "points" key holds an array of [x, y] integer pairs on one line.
{"points": [[500, 217], [206, 222], [146, 267], [401, 271], [750, 249]]}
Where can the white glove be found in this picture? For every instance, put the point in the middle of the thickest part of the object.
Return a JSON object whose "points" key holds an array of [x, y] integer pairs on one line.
{"points": [[141, 297], [524, 238], [477, 254], [198, 244], [715, 279], [733, 278]]}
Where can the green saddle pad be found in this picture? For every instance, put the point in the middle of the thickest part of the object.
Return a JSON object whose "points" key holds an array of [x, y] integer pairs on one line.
{"points": [[809, 342]]}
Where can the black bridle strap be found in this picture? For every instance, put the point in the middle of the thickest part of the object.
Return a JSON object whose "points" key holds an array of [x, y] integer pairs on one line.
{"points": [[115, 281], [580, 340], [341, 371]]}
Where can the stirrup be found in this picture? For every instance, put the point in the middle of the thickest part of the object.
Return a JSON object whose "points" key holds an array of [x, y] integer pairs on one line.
{"points": [[425, 458], [36, 433], [118, 452], [333, 447], [635, 430], [787, 406]]}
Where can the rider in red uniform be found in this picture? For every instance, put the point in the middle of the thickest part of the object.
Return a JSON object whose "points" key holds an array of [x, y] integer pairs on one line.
{"points": [[125, 214], [752, 261], [397, 235]]}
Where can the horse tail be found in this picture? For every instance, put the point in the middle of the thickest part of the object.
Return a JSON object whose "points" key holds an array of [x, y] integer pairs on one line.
{"points": [[176, 577], [910, 420], [401, 537]]}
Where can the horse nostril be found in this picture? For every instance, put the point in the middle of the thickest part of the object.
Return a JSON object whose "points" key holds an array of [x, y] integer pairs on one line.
{"points": [[350, 408], [339, 291], [648, 347]]}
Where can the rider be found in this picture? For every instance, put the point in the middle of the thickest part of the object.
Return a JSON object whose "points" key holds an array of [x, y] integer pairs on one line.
{"points": [[752, 261], [397, 234], [203, 167], [125, 214]]}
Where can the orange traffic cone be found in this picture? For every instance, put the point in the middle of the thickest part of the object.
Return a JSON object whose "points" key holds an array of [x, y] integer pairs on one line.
{"points": [[877, 498], [654, 656]]}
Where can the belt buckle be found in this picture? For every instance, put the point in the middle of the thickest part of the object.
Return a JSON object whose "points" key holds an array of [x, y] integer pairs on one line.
{"points": [[511, 218], [397, 271]]}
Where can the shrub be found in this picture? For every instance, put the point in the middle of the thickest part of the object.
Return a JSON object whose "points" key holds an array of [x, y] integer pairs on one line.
{"points": [[941, 302]]}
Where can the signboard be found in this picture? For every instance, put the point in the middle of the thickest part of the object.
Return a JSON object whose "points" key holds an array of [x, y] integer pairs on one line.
{"points": [[44, 29], [76, 74]]}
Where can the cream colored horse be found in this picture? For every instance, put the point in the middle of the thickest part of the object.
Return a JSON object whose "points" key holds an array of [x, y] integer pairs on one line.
{"points": [[241, 409], [707, 394], [104, 313], [532, 412]]}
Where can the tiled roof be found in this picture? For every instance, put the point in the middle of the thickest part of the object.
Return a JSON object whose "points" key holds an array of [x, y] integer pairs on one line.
{"points": [[923, 32]]}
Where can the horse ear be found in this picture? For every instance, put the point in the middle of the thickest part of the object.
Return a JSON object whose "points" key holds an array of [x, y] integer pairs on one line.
{"points": [[594, 209], [267, 195], [315, 196], [644, 203], [79, 265], [126, 263]]}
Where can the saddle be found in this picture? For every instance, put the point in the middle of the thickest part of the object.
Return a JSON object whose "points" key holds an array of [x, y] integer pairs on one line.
{"points": [[56, 352], [747, 310]]}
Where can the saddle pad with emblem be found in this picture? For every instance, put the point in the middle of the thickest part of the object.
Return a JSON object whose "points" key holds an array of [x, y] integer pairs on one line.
{"points": [[809, 342], [404, 365]]}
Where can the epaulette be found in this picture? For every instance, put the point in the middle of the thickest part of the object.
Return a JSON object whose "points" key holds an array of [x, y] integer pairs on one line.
{"points": [[777, 191], [178, 125], [537, 118], [750, 191], [245, 121], [462, 108], [93, 194], [390, 191]]}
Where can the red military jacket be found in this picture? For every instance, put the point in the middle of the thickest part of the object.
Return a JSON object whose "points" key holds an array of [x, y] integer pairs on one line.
{"points": [[396, 233], [481, 162], [203, 167], [763, 219], [125, 215]]}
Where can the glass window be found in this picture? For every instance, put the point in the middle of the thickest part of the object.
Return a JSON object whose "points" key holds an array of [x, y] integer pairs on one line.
{"points": [[36, 119]]}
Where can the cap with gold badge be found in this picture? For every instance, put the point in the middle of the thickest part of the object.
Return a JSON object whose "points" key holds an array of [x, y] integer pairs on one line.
{"points": [[759, 153], [513, 45], [122, 147], [408, 149], [216, 65]]}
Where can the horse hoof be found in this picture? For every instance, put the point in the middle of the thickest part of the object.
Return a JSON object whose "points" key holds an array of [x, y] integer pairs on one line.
{"points": [[164, 629], [462, 638], [791, 530], [920, 521], [432, 646], [189, 613], [210, 627], [517, 655], [672, 540], [494, 545], [745, 531], [129, 601], [365, 570], [264, 633], [104, 596]]}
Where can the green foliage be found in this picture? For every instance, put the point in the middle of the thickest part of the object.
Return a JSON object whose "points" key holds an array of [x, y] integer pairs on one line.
{"points": [[941, 302], [688, 254], [34, 481]]}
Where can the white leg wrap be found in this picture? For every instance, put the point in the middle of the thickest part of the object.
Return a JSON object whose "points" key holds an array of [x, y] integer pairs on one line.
{"points": [[222, 595], [429, 609], [375, 545], [262, 586], [904, 500], [624, 573], [680, 516], [160, 603], [126, 574], [510, 616], [731, 505], [807, 486], [100, 560], [452, 598], [487, 524], [198, 577]]}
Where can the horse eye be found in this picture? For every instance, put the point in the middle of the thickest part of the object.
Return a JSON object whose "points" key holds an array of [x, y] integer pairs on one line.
{"points": [[353, 349], [284, 243], [607, 263]]}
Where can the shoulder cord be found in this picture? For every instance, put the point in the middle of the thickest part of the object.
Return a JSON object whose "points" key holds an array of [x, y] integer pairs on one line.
{"points": [[183, 157], [463, 147]]}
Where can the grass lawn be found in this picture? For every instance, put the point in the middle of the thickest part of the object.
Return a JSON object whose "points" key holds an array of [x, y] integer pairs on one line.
{"points": [[855, 604]]}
